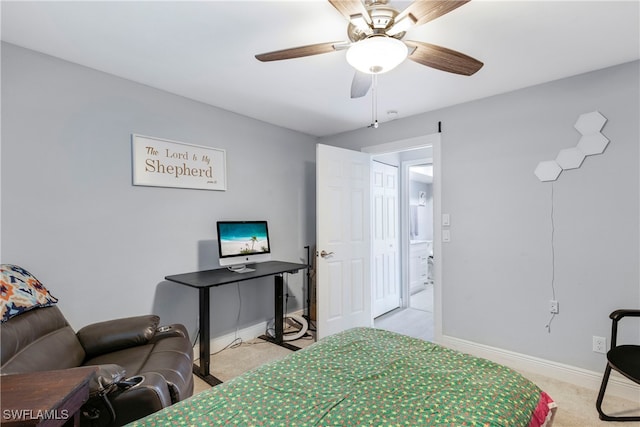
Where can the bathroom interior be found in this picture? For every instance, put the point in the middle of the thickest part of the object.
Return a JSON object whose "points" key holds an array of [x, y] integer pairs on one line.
{"points": [[421, 237]]}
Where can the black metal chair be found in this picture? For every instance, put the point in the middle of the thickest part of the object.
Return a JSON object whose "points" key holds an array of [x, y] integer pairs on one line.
{"points": [[624, 359]]}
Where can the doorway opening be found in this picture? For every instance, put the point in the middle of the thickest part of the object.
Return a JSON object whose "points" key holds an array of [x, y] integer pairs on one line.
{"points": [[413, 314], [419, 176], [344, 285]]}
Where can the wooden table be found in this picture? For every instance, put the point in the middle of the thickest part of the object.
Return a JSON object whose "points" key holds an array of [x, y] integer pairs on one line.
{"points": [[47, 398]]}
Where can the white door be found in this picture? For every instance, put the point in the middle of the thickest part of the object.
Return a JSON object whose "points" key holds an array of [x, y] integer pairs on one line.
{"points": [[343, 239], [385, 278]]}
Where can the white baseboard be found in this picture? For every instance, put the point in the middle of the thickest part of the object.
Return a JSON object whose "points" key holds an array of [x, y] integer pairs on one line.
{"points": [[246, 334], [618, 385]]}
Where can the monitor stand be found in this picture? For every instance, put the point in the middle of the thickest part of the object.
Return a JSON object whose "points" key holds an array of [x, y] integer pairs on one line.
{"points": [[240, 268]]}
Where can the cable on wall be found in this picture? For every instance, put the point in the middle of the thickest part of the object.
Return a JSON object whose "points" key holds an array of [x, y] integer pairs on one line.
{"points": [[237, 341], [592, 142], [239, 309], [553, 263]]}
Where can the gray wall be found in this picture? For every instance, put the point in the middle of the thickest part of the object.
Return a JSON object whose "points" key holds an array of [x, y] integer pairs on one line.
{"points": [[71, 215], [497, 268]]}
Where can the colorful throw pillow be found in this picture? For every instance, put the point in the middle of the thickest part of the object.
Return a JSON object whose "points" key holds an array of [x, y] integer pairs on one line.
{"points": [[20, 291]]}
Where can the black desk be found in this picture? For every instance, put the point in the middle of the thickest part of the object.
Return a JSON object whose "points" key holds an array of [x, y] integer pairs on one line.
{"points": [[203, 280]]}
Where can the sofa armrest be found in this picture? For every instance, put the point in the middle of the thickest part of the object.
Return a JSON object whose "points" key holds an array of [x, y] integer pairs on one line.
{"points": [[173, 330], [105, 377], [147, 393], [118, 334], [150, 395]]}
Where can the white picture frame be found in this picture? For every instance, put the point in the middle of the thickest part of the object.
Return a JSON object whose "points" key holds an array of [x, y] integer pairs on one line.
{"points": [[158, 162]]}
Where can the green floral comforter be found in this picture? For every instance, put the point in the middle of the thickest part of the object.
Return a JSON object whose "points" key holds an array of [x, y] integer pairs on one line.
{"points": [[367, 377]]}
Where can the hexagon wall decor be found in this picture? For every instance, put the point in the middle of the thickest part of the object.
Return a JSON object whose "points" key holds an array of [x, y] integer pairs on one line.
{"points": [[591, 142], [548, 171], [570, 158], [590, 123]]}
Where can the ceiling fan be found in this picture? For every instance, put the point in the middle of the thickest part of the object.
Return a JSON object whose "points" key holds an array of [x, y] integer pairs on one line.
{"points": [[375, 43]]}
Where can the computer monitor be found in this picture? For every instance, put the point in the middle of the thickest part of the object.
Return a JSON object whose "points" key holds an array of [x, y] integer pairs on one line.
{"points": [[241, 243]]}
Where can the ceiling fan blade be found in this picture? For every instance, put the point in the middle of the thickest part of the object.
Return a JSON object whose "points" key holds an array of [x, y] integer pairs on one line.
{"points": [[360, 84], [349, 8], [297, 52], [443, 59], [424, 11]]}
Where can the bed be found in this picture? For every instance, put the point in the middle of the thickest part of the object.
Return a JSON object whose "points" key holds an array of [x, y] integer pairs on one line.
{"points": [[369, 377]]}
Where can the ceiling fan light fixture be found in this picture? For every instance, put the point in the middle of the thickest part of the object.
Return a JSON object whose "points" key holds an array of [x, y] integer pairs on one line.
{"points": [[377, 54]]}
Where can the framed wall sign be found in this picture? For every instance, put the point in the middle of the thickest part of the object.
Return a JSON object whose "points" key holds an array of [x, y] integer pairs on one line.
{"points": [[163, 163]]}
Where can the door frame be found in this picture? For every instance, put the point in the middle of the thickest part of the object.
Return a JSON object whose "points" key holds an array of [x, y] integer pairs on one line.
{"points": [[433, 140]]}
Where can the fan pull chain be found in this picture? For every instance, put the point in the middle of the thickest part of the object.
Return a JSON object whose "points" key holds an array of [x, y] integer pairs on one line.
{"points": [[374, 102]]}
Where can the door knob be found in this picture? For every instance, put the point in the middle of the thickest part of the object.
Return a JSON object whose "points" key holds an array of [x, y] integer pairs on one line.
{"points": [[325, 254]]}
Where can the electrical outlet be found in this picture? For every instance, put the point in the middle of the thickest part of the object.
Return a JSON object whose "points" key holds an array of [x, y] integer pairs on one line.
{"points": [[554, 307], [599, 344]]}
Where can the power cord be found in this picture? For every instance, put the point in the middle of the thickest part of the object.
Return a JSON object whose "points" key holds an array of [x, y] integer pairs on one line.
{"points": [[236, 341], [286, 299], [196, 339], [553, 263]]}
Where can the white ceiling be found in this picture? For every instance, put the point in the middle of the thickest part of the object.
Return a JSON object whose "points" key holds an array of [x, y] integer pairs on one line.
{"points": [[205, 50]]}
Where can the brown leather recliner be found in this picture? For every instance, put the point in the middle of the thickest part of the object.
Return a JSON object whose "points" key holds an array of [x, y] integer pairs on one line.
{"points": [[157, 361]]}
